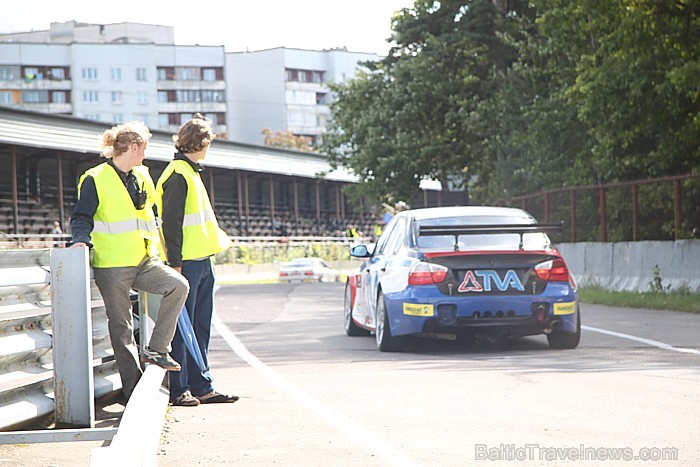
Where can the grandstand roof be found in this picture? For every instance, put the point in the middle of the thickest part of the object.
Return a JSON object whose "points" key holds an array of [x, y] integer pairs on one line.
{"points": [[62, 133]]}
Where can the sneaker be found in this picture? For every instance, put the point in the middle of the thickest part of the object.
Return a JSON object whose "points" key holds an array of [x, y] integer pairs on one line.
{"points": [[163, 360], [186, 400]]}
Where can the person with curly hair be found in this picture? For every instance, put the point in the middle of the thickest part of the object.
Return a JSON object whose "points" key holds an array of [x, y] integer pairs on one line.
{"points": [[192, 236], [116, 216]]}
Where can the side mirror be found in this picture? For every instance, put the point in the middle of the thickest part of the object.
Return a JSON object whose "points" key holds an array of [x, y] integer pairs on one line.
{"points": [[360, 251]]}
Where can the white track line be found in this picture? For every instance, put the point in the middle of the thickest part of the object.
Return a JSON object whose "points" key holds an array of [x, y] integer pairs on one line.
{"points": [[653, 343], [370, 441]]}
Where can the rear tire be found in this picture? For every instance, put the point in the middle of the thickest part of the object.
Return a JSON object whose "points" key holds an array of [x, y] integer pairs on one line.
{"points": [[385, 341], [351, 329], [566, 340]]}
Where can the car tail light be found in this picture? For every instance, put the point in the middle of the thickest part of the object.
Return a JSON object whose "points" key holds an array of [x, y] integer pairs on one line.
{"points": [[283, 274], [553, 270], [309, 273], [426, 273]]}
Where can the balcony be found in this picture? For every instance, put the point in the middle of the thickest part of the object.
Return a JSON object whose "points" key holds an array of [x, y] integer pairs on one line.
{"points": [[37, 84], [191, 85], [191, 107], [45, 107]]}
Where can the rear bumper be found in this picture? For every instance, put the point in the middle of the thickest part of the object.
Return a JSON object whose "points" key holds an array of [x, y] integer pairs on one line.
{"points": [[515, 316]]}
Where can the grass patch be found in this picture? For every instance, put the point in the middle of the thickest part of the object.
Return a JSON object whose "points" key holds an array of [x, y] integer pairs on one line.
{"points": [[679, 300]]}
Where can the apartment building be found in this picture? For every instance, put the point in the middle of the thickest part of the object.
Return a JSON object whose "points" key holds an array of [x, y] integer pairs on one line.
{"points": [[113, 73], [120, 72], [285, 90]]}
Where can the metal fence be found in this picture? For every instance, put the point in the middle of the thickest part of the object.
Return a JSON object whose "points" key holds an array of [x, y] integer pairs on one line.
{"points": [[29, 391], [666, 208]]}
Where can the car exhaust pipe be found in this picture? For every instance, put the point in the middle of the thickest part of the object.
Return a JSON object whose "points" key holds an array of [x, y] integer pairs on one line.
{"points": [[553, 326]]}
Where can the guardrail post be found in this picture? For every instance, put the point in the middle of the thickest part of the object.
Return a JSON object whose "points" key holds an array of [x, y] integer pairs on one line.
{"points": [[149, 304], [74, 384]]}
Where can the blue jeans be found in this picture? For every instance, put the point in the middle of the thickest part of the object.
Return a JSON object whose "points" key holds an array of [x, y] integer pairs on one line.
{"points": [[200, 306]]}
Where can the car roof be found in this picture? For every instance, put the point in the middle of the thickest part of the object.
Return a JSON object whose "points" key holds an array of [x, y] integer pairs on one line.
{"points": [[463, 211]]}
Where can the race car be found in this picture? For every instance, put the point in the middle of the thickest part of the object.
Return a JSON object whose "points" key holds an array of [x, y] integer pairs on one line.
{"points": [[460, 271]]}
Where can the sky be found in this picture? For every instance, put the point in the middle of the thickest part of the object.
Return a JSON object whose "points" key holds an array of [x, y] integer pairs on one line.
{"points": [[359, 25]]}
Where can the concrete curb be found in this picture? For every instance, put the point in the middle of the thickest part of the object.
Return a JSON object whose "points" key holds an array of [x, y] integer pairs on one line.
{"points": [[138, 435]]}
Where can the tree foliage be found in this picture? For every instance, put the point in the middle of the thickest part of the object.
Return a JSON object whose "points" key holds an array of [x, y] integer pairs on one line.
{"points": [[287, 140], [514, 97]]}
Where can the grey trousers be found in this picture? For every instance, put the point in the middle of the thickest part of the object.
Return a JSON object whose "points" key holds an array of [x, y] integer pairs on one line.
{"points": [[150, 276]]}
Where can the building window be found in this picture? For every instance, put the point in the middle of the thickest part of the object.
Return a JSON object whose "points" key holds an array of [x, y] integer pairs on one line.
{"points": [[212, 96], [166, 73], [116, 74], [304, 76], [163, 120], [90, 74], [58, 74], [58, 97], [142, 118], [8, 72], [209, 74], [162, 97], [189, 96], [31, 73], [188, 74], [143, 97], [35, 97], [118, 118], [141, 74], [117, 97], [91, 116], [5, 97], [91, 97], [292, 75]]}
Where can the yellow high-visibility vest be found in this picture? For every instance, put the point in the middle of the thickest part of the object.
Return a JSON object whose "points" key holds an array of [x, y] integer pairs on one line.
{"points": [[122, 235], [201, 234]]}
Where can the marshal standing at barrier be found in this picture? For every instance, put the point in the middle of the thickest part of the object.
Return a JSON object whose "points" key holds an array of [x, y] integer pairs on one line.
{"points": [[116, 216], [192, 237]]}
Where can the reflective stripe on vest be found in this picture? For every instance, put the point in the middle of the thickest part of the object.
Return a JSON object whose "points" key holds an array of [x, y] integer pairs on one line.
{"points": [[201, 234], [122, 235], [129, 225], [198, 218]]}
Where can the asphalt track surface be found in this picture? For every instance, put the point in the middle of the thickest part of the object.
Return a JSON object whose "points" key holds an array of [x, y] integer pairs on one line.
{"points": [[312, 396]]}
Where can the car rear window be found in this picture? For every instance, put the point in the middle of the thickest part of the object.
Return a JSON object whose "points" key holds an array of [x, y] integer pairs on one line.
{"points": [[501, 241]]}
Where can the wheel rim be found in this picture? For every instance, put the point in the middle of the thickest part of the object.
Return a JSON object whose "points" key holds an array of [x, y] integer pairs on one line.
{"points": [[380, 320]]}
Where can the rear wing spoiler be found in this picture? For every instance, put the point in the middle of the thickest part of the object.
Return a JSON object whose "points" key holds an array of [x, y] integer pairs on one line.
{"points": [[486, 229]]}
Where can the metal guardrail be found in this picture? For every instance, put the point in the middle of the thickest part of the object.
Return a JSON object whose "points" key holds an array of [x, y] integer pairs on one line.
{"points": [[27, 390]]}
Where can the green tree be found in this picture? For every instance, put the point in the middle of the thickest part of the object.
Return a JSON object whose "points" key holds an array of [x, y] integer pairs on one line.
{"points": [[420, 112], [520, 96]]}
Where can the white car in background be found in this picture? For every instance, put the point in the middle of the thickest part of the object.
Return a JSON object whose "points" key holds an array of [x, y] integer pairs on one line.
{"points": [[307, 270]]}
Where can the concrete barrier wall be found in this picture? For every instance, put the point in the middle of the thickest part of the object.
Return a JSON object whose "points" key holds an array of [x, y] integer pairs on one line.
{"points": [[615, 266], [630, 265]]}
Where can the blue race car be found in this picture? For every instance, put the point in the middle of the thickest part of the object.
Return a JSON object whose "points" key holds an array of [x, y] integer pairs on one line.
{"points": [[451, 271]]}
